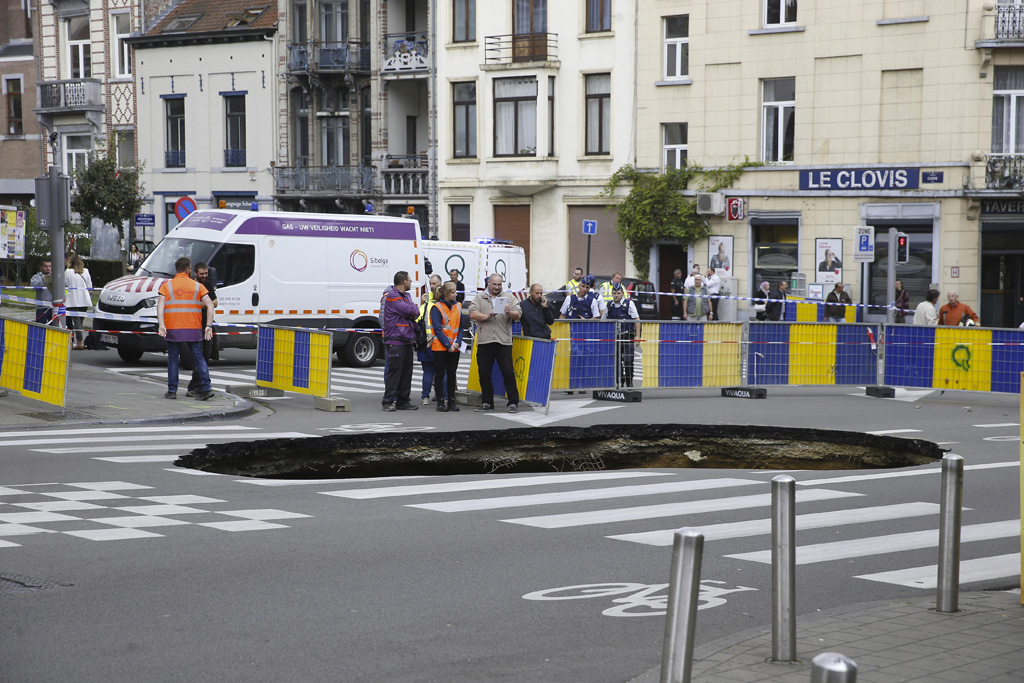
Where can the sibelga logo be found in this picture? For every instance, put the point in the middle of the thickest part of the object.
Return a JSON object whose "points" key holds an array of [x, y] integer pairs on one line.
{"points": [[358, 260]]}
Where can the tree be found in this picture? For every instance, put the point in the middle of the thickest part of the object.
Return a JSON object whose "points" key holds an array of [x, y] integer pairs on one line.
{"points": [[106, 191], [656, 209]]}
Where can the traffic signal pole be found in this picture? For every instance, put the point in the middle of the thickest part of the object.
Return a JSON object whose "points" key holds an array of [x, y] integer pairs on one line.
{"points": [[890, 278], [53, 210]]}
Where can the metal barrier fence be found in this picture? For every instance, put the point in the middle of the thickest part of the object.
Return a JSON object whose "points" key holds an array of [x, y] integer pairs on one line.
{"points": [[34, 360], [294, 359]]}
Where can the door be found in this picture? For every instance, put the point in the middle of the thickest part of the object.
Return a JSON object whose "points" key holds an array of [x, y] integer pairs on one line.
{"points": [[670, 257], [513, 223], [529, 28]]}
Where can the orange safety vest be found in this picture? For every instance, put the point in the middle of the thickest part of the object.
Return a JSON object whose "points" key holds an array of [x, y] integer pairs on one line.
{"points": [[183, 308], [451, 318]]}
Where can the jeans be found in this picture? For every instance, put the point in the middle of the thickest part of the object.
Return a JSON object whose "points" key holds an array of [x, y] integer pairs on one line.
{"points": [[77, 324], [196, 382], [398, 375], [198, 362], [445, 366], [486, 354]]}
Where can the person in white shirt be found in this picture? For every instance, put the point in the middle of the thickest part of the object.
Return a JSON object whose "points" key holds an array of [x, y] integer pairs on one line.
{"points": [[925, 314], [714, 285], [689, 278], [78, 282]]}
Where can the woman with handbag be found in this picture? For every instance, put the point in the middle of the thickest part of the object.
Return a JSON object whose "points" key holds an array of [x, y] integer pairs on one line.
{"points": [[759, 300]]}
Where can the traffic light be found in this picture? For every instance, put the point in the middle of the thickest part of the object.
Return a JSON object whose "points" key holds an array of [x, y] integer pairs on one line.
{"points": [[902, 248]]}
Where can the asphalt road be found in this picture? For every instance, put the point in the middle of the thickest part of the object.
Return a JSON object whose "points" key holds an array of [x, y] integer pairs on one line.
{"points": [[216, 578]]}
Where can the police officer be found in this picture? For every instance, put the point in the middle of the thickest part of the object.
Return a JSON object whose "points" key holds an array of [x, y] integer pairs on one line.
{"points": [[605, 290], [573, 284], [624, 310], [583, 305]]}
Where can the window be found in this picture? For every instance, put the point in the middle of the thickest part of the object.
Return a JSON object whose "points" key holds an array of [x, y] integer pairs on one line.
{"points": [[529, 29], [777, 119], [460, 222], [551, 116], [465, 21], [674, 145], [234, 134], [1008, 110], [515, 114], [464, 102], [174, 156], [599, 113], [76, 153], [79, 49], [677, 46], [234, 263], [300, 130], [334, 22], [779, 12], [599, 15], [12, 94], [299, 34], [122, 25], [334, 138], [125, 141]]}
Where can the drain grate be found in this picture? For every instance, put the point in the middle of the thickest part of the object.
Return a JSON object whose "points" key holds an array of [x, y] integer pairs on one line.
{"points": [[11, 584]]}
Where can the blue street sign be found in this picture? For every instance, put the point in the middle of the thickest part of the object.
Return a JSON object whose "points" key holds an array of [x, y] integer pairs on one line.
{"points": [[589, 227], [145, 219]]}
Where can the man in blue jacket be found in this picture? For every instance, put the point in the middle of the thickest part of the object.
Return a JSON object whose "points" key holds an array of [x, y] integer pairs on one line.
{"points": [[396, 320]]}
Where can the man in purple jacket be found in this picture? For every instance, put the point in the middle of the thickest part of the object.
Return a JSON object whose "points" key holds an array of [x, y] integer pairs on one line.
{"points": [[396, 319]]}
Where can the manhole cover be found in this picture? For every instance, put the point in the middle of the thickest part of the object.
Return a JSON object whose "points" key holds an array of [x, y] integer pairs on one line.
{"points": [[560, 449], [11, 584]]}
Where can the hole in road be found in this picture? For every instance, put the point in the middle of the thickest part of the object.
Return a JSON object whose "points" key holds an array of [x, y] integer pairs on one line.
{"points": [[560, 449]]}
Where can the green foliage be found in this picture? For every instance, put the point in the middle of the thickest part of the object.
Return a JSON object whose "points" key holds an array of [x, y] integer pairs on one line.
{"points": [[655, 209], [106, 191]]}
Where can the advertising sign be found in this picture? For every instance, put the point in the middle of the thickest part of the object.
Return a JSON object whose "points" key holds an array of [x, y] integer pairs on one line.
{"points": [[828, 255], [720, 254]]}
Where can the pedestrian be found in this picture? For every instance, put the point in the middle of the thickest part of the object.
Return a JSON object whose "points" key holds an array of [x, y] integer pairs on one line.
{"points": [[775, 307], [689, 278], [446, 321], [78, 282], [396, 318], [494, 315], [583, 305], [537, 315], [714, 285], [605, 290], [624, 312], [209, 347], [697, 307], [41, 281], [179, 313], [677, 287], [573, 284], [460, 287], [424, 355], [760, 299], [835, 304], [134, 259], [925, 314], [902, 303], [957, 313]]}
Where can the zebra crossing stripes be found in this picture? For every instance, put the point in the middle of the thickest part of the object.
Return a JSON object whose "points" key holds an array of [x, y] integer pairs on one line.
{"points": [[882, 545], [814, 520], [971, 571]]}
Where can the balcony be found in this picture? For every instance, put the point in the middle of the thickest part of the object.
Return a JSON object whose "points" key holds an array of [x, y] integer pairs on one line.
{"points": [[520, 47], [80, 96], [405, 53], [329, 56], [234, 157], [1010, 22], [1005, 172], [323, 179], [174, 158], [405, 176]]}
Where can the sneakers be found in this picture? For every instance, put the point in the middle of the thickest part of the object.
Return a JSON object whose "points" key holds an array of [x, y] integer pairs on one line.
{"points": [[205, 395], [484, 407], [513, 407], [407, 406], [171, 394], [425, 401], [441, 407], [453, 407], [190, 393], [389, 407]]}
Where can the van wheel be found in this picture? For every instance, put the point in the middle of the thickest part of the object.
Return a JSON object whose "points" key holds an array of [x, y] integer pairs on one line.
{"points": [[361, 351], [129, 355]]}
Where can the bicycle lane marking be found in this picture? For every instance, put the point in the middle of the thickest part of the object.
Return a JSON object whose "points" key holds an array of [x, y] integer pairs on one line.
{"points": [[639, 599]]}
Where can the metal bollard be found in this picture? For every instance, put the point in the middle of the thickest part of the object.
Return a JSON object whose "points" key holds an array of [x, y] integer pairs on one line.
{"points": [[831, 667], [783, 569], [948, 584], [683, 592]]}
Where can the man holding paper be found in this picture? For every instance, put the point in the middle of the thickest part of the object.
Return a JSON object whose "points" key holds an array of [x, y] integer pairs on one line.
{"points": [[494, 315]]}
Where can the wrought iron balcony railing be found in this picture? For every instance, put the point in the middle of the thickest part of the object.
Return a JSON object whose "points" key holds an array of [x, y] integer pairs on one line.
{"points": [[520, 47], [329, 56], [1009, 22], [72, 95], [234, 157], [317, 179], [405, 52], [174, 158], [1005, 172]]}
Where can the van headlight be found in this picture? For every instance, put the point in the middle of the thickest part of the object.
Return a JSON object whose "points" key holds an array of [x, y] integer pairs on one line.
{"points": [[150, 302]]}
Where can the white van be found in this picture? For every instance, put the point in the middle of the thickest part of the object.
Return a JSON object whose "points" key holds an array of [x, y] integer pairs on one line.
{"points": [[275, 268], [475, 261]]}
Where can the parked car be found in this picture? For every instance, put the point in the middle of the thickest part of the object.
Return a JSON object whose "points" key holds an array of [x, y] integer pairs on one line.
{"points": [[641, 291]]}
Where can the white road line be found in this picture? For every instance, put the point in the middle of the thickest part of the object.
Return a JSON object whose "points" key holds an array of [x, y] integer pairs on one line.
{"points": [[981, 569], [307, 482], [482, 485], [815, 520], [588, 494], [895, 431], [150, 437], [129, 448], [693, 507], [894, 475], [883, 545], [218, 374], [998, 424], [141, 458], [126, 430]]}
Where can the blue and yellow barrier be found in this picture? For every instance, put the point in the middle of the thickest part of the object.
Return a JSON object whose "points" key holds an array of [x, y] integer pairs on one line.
{"points": [[533, 361], [700, 355], [34, 360], [811, 354], [970, 358], [293, 359]]}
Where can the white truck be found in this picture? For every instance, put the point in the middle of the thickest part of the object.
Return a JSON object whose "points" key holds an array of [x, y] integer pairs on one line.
{"points": [[291, 269], [475, 261]]}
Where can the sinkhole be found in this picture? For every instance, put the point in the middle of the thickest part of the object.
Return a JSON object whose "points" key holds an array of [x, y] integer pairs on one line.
{"points": [[560, 449]]}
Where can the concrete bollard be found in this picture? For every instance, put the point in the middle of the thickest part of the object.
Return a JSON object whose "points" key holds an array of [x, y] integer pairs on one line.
{"points": [[683, 593], [948, 582], [831, 667], [783, 569]]}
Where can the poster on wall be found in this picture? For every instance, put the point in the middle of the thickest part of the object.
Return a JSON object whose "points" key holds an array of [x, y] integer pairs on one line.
{"points": [[828, 255], [720, 254]]}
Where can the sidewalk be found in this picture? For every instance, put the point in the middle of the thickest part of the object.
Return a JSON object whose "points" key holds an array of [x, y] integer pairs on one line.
{"points": [[97, 396], [898, 640]]}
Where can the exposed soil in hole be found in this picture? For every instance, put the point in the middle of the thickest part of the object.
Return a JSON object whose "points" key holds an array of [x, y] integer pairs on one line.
{"points": [[560, 449]]}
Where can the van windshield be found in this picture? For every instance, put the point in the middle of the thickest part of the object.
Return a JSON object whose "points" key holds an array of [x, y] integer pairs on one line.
{"points": [[161, 262]]}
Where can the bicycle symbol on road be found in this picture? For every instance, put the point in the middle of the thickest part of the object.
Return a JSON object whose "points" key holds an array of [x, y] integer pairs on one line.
{"points": [[374, 427], [641, 600]]}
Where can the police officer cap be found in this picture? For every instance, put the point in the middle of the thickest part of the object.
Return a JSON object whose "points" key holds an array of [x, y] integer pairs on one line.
{"points": [[588, 280], [617, 286]]}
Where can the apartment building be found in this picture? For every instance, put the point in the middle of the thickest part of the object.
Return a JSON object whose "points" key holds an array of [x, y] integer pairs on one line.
{"points": [[207, 90], [882, 113], [19, 136], [536, 110]]}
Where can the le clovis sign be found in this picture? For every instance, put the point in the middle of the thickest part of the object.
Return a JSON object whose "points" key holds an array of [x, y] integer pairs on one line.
{"points": [[860, 179]]}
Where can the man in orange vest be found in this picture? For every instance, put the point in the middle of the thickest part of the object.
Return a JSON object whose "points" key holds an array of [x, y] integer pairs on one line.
{"points": [[180, 312]]}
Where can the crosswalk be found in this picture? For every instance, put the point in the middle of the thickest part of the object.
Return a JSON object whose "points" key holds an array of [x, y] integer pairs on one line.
{"points": [[698, 503]]}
